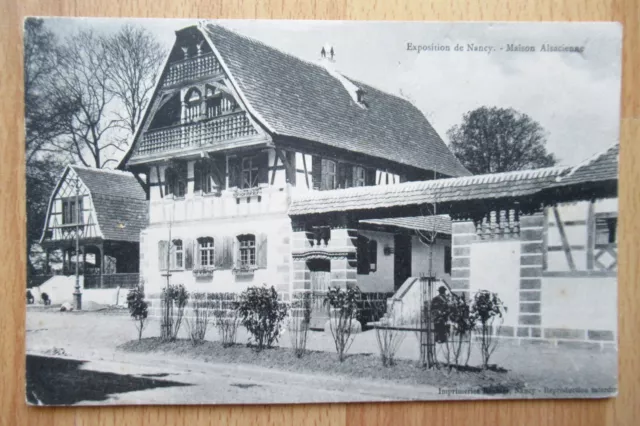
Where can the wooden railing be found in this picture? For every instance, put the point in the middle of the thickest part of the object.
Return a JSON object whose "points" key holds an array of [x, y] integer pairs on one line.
{"points": [[227, 127], [123, 280], [191, 69]]}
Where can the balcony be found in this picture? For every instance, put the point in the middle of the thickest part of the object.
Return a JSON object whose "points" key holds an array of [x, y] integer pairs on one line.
{"points": [[198, 134], [192, 69]]}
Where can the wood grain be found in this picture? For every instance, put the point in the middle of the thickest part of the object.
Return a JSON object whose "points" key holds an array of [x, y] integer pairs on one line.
{"points": [[623, 410]]}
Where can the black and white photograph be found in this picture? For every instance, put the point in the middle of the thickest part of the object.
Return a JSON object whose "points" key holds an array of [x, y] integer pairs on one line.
{"points": [[273, 212]]}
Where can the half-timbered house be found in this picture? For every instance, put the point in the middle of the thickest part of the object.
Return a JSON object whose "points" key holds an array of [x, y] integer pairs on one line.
{"points": [[234, 130]]}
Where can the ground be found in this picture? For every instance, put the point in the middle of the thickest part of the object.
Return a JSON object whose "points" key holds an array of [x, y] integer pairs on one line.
{"points": [[70, 352]]}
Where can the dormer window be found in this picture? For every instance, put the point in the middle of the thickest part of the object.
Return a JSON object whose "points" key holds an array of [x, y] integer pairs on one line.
{"points": [[360, 96]]}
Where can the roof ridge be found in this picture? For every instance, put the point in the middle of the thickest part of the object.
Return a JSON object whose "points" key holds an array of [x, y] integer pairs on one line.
{"points": [[99, 170]]}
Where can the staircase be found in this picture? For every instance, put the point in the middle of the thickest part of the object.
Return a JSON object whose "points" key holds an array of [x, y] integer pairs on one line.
{"points": [[403, 308]]}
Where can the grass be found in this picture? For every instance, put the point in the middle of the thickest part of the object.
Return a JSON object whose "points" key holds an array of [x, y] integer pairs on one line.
{"points": [[366, 366]]}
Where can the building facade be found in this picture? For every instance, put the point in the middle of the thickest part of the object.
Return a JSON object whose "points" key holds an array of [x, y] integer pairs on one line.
{"points": [[234, 131]]}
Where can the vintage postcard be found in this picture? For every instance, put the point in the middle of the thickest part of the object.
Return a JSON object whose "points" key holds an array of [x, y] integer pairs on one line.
{"points": [[241, 211]]}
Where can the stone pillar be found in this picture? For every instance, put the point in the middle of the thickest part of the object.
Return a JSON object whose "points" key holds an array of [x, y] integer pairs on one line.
{"points": [[463, 234], [301, 241], [342, 248], [531, 266]]}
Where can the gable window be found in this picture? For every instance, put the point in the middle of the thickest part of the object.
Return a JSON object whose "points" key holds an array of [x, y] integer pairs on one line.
{"points": [[176, 181], [206, 251], [246, 251], [177, 255], [192, 99], [359, 176], [70, 211], [606, 229]]}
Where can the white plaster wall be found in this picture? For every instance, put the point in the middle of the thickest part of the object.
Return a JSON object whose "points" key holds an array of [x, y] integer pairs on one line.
{"points": [[382, 279], [277, 228], [579, 303], [495, 266], [420, 257]]}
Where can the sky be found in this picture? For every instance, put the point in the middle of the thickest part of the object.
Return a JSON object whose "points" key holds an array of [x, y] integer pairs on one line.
{"points": [[574, 96]]}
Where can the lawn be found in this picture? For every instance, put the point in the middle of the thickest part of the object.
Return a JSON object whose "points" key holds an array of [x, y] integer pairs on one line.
{"points": [[360, 365]]}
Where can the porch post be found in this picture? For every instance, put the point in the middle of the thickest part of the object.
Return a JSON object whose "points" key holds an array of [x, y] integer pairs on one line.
{"points": [[84, 260], [344, 237], [101, 254]]}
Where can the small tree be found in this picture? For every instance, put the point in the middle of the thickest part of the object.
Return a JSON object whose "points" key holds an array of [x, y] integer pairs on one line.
{"points": [[299, 323], [389, 338], [174, 300], [487, 309], [199, 322], [138, 308], [343, 308], [262, 314]]}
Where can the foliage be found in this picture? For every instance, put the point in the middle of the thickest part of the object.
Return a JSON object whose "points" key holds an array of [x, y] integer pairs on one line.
{"points": [[389, 339], [299, 322], [45, 298], [199, 322], [343, 309], [138, 308], [174, 300], [262, 314], [492, 140], [460, 323], [227, 322], [486, 310]]}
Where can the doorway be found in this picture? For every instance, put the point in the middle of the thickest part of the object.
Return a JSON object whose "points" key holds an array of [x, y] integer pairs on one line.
{"points": [[402, 259], [320, 272]]}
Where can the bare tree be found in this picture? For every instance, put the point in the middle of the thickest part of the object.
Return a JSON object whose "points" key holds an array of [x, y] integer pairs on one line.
{"points": [[81, 78], [134, 58]]}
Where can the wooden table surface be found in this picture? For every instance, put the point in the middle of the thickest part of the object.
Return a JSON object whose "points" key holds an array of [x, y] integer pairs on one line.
{"points": [[622, 410]]}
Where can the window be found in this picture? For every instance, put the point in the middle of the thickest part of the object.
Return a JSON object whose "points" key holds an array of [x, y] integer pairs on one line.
{"points": [[208, 177], [249, 172], [367, 255], [247, 251], [359, 176], [329, 169], [70, 212], [177, 258], [606, 229], [206, 249], [176, 181]]}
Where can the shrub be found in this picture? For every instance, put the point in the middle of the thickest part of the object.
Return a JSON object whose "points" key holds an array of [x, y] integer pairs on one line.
{"points": [[343, 309], [299, 323], [199, 322], [45, 298], [174, 300], [460, 323], [389, 339], [227, 322], [262, 314], [138, 308], [486, 309]]}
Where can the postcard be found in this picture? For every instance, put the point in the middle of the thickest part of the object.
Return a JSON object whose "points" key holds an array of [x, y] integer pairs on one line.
{"points": [[258, 212]]}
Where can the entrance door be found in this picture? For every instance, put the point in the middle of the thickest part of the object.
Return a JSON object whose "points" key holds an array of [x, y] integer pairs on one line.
{"points": [[402, 259], [320, 270]]}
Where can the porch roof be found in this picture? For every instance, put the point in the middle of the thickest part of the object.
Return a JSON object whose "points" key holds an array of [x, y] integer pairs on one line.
{"points": [[468, 188], [440, 223]]}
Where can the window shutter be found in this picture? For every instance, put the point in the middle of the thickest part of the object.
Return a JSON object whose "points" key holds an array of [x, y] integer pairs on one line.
{"points": [[262, 161], [363, 255], [226, 254], [370, 177], [234, 172], [342, 175], [261, 250], [316, 172], [373, 255], [218, 253], [197, 176], [168, 181], [163, 247], [188, 254]]}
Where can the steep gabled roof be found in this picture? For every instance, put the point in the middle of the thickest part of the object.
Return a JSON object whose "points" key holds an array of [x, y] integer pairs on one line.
{"points": [[300, 99], [119, 201]]}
